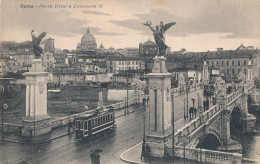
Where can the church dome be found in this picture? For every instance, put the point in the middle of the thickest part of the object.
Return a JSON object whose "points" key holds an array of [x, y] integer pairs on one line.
{"points": [[88, 41]]}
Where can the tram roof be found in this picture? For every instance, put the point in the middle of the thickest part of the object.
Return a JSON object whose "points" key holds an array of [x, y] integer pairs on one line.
{"points": [[93, 114]]}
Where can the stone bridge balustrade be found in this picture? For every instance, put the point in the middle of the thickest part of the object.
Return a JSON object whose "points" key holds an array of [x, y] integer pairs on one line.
{"points": [[209, 156]]}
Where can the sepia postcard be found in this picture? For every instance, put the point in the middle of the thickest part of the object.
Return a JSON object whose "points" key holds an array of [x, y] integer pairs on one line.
{"points": [[129, 81]]}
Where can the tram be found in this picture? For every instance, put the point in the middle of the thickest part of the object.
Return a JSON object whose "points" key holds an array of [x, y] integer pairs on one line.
{"points": [[100, 121]]}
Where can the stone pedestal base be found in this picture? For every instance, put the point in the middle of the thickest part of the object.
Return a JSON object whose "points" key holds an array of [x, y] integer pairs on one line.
{"points": [[36, 127], [231, 146], [157, 144]]}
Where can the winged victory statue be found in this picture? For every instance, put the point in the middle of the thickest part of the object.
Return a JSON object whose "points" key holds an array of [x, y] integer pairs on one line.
{"points": [[36, 44], [158, 32]]}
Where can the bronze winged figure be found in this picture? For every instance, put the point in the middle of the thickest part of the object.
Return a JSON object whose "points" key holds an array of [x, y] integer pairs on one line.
{"points": [[158, 32], [36, 44]]}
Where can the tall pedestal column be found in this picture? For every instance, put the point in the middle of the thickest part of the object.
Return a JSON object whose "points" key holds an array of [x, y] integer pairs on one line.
{"points": [[36, 120], [159, 108], [227, 144]]}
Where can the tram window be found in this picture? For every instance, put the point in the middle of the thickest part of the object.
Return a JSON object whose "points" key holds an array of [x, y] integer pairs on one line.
{"points": [[80, 125], [99, 121], [106, 119], [86, 125], [103, 119], [92, 123]]}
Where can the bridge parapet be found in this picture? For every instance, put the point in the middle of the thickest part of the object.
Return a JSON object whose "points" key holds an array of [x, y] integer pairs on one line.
{"points": [[209, 156], [196, 125]]}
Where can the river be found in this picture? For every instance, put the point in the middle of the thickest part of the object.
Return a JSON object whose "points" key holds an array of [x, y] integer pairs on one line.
{"points": [[251, 144]]}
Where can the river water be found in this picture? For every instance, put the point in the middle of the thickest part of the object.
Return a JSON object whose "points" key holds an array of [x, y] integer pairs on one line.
{"points": [[251, 144]]}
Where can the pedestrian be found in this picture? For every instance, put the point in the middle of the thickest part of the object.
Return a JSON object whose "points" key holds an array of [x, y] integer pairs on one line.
{"points": [[96, 158], [143, 101], [91, 156], [204, 105], [207, 103], [147, 150], [195, 111], [143, 154], [31, 135], [20, 134], [191, 112]]}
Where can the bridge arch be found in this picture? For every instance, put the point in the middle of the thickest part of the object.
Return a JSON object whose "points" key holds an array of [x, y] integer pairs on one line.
{"points": [[236, 120], [209, 137]]}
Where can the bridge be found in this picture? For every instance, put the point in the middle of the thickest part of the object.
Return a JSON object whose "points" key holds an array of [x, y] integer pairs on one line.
{"points": [[229, 112]]}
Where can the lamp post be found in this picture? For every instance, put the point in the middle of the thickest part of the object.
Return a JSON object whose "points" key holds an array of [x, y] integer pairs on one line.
{"points": [[144, 117], [172, 128], [127, 93], [143, 145]]}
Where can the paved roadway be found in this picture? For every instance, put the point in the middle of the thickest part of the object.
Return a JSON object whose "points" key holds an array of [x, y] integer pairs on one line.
{"points": [[63, 150], [129, 132]]}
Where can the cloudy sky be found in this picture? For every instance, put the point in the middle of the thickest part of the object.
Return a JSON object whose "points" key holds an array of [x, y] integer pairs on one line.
{"points": [[201, 25]]}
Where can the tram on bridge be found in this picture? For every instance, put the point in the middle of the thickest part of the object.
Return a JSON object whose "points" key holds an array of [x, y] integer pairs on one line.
{"points": [[97, 122]]}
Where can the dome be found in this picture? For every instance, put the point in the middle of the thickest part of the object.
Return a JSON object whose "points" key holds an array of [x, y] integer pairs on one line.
{"points": [[88, 41], [149, 43]]}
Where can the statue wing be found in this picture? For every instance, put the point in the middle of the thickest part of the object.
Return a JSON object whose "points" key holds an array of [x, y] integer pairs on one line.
{"points": [[168, 25], [39, 38]]}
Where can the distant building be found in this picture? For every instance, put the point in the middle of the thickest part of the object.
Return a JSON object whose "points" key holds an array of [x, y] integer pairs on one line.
{"points": [[3, 65], [231, 62], [48, 60], [22, 60], [49, 45], [122, 63], [132, 52], [61, 76], [148, 48], [88, 42]]}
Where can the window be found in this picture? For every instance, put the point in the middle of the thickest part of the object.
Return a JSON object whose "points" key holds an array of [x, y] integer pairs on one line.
{"points": [[227, 63], [133, 62], [244, 62], [222, 63], [238, 62], [119, 62], [233, 63], [207, 62], [227, 71], [212, 63], [233, 71], [238, 70], [217, 63], [245, 71], [136, 62]]}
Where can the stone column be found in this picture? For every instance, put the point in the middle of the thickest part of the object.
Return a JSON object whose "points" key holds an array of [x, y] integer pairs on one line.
{"points": [[249, 71], [160, 108], [36, 121], [205, 73], [100, 100]]}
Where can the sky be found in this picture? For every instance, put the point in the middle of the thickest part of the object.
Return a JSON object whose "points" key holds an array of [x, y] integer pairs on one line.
{"points": [[201, 25]]}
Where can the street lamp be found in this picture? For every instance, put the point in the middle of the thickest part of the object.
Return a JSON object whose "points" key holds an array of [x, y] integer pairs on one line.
{"points": [[172, 127], [143, 145], [144, 117]]}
